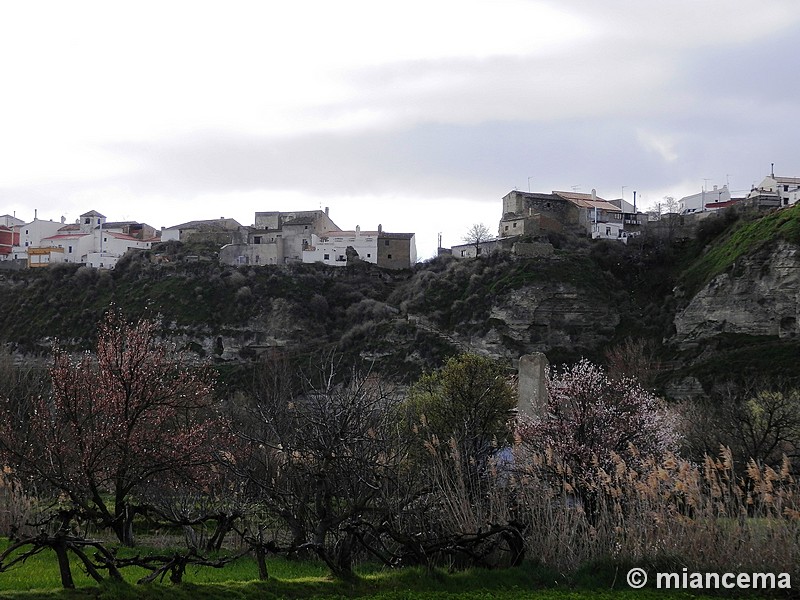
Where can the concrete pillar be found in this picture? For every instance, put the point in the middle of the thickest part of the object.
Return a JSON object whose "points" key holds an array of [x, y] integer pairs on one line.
{"points": [[532, 401]]}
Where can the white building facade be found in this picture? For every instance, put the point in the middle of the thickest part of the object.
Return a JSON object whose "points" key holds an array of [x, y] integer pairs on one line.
{"points": [[700, 202], [785, 189], [87, 242], [330, 247]]}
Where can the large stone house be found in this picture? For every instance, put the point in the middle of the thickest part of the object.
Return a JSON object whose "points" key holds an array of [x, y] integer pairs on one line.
{"points": [[220, 231], [528, 214], [277, 238]]}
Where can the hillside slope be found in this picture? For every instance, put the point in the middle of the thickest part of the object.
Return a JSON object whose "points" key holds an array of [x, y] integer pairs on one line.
{"points": [[710, 309]]}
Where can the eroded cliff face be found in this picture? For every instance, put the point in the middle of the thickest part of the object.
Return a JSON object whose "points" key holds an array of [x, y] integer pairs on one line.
{"points": [[541, 317], [759, 296]]}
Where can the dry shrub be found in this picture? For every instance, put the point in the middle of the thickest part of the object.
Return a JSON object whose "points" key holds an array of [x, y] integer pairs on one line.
{"points": [[16, 507], [662, 510]]}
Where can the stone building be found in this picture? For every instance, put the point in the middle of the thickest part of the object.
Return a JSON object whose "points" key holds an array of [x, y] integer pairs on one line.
{"points": [[277, 238]]}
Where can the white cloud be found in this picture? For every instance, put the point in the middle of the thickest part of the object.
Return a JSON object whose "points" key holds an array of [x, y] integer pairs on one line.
{"points": [[662, 144]]}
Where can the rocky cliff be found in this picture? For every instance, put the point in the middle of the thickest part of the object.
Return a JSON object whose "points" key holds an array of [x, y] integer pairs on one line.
{"points": [[758, 296]]}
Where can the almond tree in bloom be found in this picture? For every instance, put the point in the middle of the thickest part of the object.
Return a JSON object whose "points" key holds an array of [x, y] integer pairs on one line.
{"points": [[132, 414], [590, 417]]}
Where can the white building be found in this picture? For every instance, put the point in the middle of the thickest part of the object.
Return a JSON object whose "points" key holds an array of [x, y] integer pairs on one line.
{"points": [[31, 236], [87, 242], [785, 190], [331, 247], [387, 250], [704, 200]]}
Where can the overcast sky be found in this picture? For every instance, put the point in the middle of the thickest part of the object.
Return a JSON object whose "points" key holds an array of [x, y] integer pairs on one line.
{"points": [[419, 115]]}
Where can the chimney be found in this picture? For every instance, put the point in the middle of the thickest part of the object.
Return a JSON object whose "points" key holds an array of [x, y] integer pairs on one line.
{"points": [[358, 228], [326, 211], [594, 195], [380, 228], [35, 213]]}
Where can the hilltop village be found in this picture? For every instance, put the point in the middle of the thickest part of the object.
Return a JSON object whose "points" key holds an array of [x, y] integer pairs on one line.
{"points": [[279, 238]]}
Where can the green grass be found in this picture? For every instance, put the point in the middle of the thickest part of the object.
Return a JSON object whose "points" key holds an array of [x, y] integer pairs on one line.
{"points": [[38, 579], [745, 238]]}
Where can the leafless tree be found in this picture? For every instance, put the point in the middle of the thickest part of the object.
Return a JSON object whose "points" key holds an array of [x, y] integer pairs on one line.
{"points": [[476, 235], [321, 451]]}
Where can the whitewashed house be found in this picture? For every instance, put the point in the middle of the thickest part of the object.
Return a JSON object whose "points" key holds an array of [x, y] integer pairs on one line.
{"points": [[705, 200], [785, 191], [330, 247], [31, 235], [88, 242]]}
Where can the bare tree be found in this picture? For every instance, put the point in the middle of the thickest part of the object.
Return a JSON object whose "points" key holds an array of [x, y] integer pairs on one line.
{"points": [[322, 451], [668, 206], [477, 235]]}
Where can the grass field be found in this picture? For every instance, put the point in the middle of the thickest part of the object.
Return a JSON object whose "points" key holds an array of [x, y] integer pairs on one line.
{"points": [[38, 579]]}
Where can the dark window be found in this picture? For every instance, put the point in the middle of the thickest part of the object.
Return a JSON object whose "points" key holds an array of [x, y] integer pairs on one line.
{"points": [[514, 225], [786, 188], [386, 243], [257, 239], [327, 257], [506, 227], [88, 220], [388, 256]]}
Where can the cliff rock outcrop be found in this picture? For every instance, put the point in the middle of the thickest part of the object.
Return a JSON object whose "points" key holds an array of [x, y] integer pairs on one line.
{"points": [[759, 296]]}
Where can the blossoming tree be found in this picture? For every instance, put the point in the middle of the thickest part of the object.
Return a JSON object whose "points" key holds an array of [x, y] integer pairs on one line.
{"points": [[133, 413]]}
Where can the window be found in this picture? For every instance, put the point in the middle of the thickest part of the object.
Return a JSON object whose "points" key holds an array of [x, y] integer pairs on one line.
{"points": [[256, 239], [786, 188], [87, 221], [26, 232], [514, 225], [506, 227], [326, 257], [369, 255], [389, 256], [386, 242], [69, 249]]}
